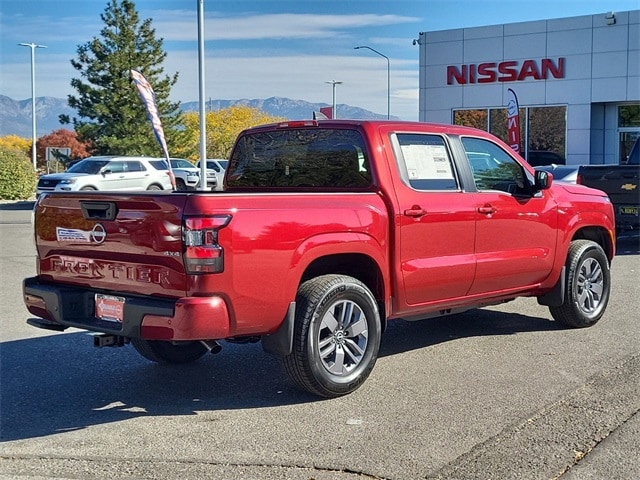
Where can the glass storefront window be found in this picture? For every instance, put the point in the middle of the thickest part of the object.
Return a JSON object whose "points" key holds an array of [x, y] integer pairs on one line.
{"points": [[498, 125], [629, 116], [547, 135], [471, 118], [543, 130]]}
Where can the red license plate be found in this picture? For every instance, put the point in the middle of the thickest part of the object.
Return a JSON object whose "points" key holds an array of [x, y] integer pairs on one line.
{"points": [[109, 307]]}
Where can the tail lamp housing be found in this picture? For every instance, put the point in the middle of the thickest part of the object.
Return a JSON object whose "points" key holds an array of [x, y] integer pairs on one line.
{"points": [[202, 253]]}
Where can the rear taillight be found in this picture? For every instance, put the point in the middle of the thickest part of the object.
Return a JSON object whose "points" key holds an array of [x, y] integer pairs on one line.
{"points": [[202, 252], [580, 179]]}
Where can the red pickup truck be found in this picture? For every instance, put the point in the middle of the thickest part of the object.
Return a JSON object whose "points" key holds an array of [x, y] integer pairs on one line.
{"points": [[325, 231]]}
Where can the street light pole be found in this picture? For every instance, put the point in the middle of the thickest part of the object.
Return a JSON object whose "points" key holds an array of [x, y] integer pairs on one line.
{"points": [[33, 47], [201, 97], [333, 110], [388, 77]]}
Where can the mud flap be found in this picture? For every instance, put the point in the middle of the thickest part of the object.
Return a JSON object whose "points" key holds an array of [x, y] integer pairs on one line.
{"points": [[555, 297], [280, 343]]}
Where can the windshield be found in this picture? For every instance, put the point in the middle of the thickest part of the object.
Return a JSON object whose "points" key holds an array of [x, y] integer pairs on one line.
{"points": [[88, 166], [181, 164]]}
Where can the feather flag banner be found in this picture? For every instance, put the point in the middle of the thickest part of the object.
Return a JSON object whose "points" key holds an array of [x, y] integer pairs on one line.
{"points": [[513, 120], [149, 99]]}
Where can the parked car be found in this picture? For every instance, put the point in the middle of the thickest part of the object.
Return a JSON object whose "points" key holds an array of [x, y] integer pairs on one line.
{"points": [[562, 173], [187, 175], [109, 173], [215, 170], [222, 162], [538, 158]]}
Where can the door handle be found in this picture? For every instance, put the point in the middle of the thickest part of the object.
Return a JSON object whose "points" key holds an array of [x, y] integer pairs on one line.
{"points": [[487, 209], [415, 211]]}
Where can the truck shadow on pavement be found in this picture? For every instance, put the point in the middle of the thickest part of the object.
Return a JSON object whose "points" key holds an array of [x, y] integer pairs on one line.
{"points": [[402, 336], [628, 243], [60, 383]]}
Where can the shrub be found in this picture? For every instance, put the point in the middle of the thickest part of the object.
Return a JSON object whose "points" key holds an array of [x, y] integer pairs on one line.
{"points": [[17, 178]]}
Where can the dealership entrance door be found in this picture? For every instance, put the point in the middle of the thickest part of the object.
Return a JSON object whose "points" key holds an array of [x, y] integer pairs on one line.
{"points": [[628, 130], [627, 139]]}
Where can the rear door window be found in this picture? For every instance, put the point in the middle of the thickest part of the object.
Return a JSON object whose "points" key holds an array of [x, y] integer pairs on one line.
{"points": [[425, 162], [135, 166]]}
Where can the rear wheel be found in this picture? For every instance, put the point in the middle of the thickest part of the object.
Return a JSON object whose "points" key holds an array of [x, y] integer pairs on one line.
{"points": [[154, 187], [588, 284], [169, 352], [336, 336]]}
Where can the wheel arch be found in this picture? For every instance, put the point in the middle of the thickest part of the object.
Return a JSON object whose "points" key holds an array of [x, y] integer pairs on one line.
{"points": [[357, 265], [599, 235]]}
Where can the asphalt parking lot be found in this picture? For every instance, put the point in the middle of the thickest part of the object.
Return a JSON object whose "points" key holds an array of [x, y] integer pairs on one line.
{"points": [[502, 393]]}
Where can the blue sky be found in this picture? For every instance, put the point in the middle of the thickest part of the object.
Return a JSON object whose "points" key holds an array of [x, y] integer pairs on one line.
{"points": [[265, 48]]}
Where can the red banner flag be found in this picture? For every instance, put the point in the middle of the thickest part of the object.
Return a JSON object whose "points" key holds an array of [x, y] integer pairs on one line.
{"points": [[513, 120], [327, 111]]}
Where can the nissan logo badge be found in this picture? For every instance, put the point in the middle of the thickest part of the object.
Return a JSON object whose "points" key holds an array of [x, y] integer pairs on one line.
{"points": [[98, 234]]}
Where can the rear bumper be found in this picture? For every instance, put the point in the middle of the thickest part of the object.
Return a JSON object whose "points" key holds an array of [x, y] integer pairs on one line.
{"points": [[151, 318]]}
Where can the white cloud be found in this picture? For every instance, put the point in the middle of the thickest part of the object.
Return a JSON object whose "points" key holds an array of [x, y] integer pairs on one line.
{"points": [[181, 26], [257, 72]]}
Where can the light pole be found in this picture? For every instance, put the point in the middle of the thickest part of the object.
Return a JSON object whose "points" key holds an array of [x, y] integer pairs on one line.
{"points": [[201, 96], [333, 110], [33, 47], [388, 76]]}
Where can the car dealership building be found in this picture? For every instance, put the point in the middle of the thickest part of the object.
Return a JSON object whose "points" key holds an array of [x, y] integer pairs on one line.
{"points": [[577, 82]]}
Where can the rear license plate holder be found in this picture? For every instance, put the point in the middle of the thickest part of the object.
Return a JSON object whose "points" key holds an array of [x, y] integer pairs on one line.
{"points": [[109, 308], [629, 210]]}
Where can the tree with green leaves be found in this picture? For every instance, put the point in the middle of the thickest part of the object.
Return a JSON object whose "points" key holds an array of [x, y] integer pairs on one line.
{"points": [[110, 113], [222, 127]]}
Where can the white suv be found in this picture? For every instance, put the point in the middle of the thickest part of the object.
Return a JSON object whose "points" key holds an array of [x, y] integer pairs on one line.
{"points": [[187, 175], [215, 172], [109, 173]]}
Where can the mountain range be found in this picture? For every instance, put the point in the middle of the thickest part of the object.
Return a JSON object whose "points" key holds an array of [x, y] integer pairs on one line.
{"points": [[15, 115]]}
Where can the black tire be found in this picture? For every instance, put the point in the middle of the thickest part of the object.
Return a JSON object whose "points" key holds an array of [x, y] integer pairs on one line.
{"points": [[336, 336], [88, 189], [588, 285], [154, 186], [169, 352], [180, 185]]}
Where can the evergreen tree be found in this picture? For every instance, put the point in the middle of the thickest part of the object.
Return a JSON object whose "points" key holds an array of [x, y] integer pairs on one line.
{"points": [[111, 115]]}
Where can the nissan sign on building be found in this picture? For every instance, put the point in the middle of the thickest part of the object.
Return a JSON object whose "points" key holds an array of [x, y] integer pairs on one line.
{"points": [[576, 80]]}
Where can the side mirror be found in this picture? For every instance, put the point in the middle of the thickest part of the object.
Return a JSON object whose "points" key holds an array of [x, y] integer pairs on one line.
{"points": [[543, 180]]}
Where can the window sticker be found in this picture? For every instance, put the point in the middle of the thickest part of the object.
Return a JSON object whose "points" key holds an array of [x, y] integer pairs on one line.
{"points": [[427, 162]]}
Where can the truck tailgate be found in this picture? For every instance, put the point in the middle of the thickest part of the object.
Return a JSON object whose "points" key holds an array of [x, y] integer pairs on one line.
{"points": [[620, 182], [125, 242]]}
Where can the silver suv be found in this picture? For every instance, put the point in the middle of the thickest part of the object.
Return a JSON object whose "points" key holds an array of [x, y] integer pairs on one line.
{"points": [[109, 173]]}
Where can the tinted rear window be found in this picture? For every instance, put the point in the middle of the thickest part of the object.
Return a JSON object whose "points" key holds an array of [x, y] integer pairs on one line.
{"points": [[300, 159]]}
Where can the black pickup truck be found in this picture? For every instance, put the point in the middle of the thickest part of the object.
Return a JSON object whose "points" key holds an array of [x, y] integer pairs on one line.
{"points": [[620, 182]]}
